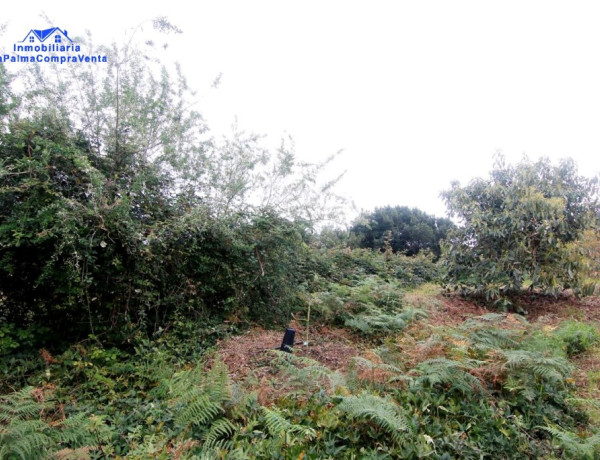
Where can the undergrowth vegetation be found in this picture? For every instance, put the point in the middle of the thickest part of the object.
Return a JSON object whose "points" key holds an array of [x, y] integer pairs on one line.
{"points": [[493, 386]]}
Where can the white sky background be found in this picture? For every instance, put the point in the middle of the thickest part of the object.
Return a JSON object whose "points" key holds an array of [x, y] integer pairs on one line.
{"points": [[417, 94]]}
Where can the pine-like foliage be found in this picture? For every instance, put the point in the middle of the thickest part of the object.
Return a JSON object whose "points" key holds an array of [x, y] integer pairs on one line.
{"points": [[381, 411]]}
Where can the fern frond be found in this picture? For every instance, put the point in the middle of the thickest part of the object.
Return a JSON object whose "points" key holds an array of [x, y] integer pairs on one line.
{"points": [[220, 452], [81, 453], [374, 320], [585, 402], [392, 373], [488, 318], [278, 425], [483, 336], [21, 405], [30, 434], [219, 429], [442, 371], [577, 447], [364, 362], [217, 384], [382, 411], [303, 371], [198, 396], [26, 439], [548, 368], [75, 431], [199, 410], [243, 404]]}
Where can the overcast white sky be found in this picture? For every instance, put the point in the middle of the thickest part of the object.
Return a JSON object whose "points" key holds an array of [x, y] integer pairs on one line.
{"points": [[417, 93]]}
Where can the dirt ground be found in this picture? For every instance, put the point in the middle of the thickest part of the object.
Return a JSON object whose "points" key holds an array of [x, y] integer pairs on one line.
{"points": [[249, 352], [249, 358]]}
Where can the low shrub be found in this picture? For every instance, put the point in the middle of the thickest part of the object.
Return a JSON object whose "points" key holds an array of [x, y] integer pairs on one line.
{"points": [[577, 337]]}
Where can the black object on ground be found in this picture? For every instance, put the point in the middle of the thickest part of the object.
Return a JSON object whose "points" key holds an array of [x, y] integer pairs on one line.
{"points": [[288, 340]]}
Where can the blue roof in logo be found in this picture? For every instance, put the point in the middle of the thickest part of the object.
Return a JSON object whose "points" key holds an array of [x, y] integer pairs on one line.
{"points": [[44, 34]]}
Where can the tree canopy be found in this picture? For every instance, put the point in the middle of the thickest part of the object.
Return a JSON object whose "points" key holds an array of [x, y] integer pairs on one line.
{"points": [[518, 229], [406, 230]]}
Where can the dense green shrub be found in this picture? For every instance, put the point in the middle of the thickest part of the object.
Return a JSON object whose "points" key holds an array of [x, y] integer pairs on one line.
{"points": [[518, 229], [82, 251], [349, 266], [404, 230], [577, 337]]}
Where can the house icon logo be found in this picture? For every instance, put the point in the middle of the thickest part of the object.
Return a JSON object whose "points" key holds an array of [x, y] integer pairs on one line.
{"points": [[53, 35], [52, 45]]}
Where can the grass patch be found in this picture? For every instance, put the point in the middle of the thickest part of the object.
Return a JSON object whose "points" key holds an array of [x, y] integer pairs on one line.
{"points": [[424, 297]]}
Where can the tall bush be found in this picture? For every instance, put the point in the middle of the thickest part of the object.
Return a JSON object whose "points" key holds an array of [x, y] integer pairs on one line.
{"points": [[518, 229]]}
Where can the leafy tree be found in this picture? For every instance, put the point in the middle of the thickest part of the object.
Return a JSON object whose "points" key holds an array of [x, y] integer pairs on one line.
{"points": [[117, 209], [6, 97], [406, 230], [242, 176], [518, 229]]}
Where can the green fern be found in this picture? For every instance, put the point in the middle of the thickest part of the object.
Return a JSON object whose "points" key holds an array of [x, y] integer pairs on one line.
{"points": [[27, 431], [364, 362], [26, 439], [483, 334], [294, 363], [574, 445], [453, 374], [585, 402], [21, 405], [305, 373], [553, 369], [217, 453], [197, 396], [395, 373], [382, 411], [81, 453], [375, 321], [198, 409], [219, 429], [276, 423], [280, 427]]}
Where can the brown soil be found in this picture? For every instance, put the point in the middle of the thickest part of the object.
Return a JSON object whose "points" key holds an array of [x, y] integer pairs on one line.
{"points": [[454, 310], [548, 309], [249, 357], [586, 364], [538, 308], [250, 352]]}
